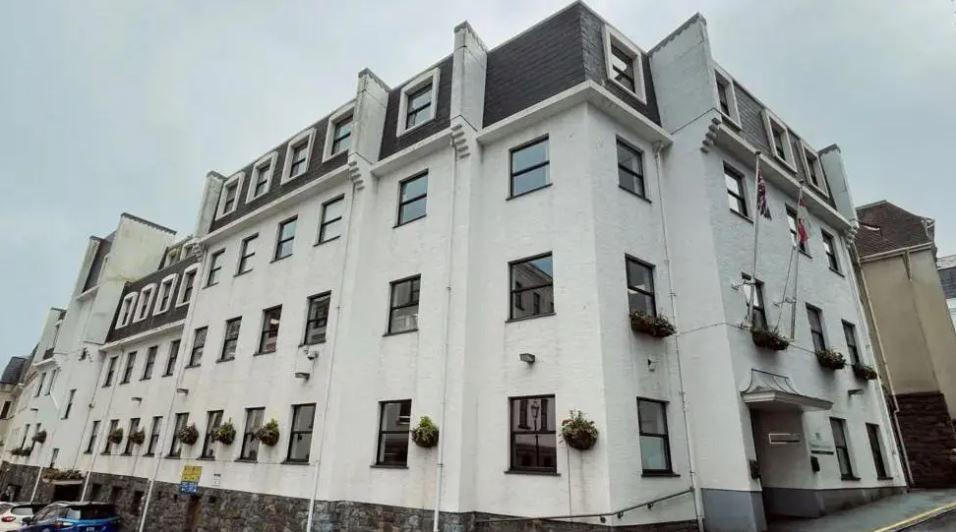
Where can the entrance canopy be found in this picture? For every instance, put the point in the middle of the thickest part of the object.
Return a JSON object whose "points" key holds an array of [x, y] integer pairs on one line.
{"points": [[768, 391]]}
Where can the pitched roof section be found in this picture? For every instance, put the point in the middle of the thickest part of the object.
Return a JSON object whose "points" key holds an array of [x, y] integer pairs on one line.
{"points": [[886, 227], [11, 373]]}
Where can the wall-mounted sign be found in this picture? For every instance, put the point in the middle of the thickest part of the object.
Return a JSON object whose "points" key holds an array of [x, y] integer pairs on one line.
{"points": [[189, 480], [783, 438]]}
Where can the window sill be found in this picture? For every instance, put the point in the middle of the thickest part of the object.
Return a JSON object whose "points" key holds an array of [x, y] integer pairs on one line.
{"points": [[526, 318], [141, 379], [126, 454], [327, 240], [277, 259], [210, 285], [166, 375], [742, 216], [246, 461], [784, 162], [207, 458], [525, 193], [259, 353], [533, 473], [295, 462], [406, 222], [388, 466], [218, 361], [188, 366], [884, 478], [838, 272], [285, 179], [631, 192], [148, 454], [416, 126], [124, 382], [243, 272], [397, 333], [660, 474], [173, 456], [306, 344], [805, 253], [849, 477], [735, 124]]}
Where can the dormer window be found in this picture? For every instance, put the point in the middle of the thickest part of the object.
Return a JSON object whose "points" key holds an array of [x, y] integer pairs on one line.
{"points": [[814, 169], [126, 310], [165, 298], [262, 172], [299, 158], [145, 300], [727, 97], [187, 285], [623, 61], [338, 133], [342, 134], [229, 197], [418, 100], [297, 155], [779, 139]]}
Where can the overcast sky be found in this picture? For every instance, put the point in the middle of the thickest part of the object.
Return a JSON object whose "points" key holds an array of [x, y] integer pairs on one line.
{"points": [[124, 106]]}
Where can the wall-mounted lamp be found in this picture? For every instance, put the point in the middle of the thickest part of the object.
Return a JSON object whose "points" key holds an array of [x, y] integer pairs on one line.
{"points": [[137, 399], [855, 391], [526, 357], [302, 375], [183, 391], [34, 409]]}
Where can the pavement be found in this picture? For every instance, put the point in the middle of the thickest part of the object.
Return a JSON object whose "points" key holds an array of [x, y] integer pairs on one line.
{"points": [[916, 511]]}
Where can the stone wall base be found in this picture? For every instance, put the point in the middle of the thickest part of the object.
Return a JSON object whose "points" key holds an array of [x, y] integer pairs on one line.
{"points": [[789, 502], [929, 438]]}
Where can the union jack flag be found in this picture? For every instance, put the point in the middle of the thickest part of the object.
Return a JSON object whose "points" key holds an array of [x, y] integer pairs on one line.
{"points": [[762, 207], [803, 228]]}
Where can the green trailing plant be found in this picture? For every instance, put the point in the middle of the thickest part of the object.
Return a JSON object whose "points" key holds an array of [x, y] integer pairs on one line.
{"points": [[225, 433], [115, 435], [40, 437], [578, 431], [656, 326], [269, 433], [426, 433], [769, 338], [188, 434], [21, 451], [62, 474], [864, 371], [137, 437], [831, 359]]}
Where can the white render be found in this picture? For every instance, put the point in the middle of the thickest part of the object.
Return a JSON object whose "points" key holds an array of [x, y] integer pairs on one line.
{"points": [[462, 364]]}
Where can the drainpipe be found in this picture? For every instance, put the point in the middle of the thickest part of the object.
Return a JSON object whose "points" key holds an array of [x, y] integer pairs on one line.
{"points": [[440, 465], [692, 464], [332, 343]]}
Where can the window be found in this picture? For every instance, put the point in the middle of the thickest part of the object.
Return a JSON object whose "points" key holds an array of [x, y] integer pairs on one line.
{"points": [[297, 155], [165, 298], [128, 370], [623, 61], [231, 339], [533, 437], [794, 233], [829, 247], [413, 193], [317, 318], [814, 169], [640, 287], [150, 362], [5, 411], [815, 317], [418, 100], [300, 435], [126, 309], [213, 420], [873, 433], [199, 342], [154, 433], [341, 134], [394, 421], [262, 172], [760, 312], [630, 169], [331, 226], [229, 197], [403, 309], [250, 443], [215, 267], [419, 107], [91, 443], [838, 426], [849, 332], [779, 139], [529, 167], [69, 404], [532, 280], [133, 427], [778, 142], [270, 329], [39, 388], [108, 447], [110, 369], [285, 238], [186, 287], [247, 250], [49, 384], [26, 432], [176, 447], [736, 197], [726, 97], [171, 358], [655, 447], [145, 300]]}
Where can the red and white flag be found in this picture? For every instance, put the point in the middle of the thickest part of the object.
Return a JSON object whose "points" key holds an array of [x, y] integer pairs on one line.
{"points": [[762, 207], [803, 227]]}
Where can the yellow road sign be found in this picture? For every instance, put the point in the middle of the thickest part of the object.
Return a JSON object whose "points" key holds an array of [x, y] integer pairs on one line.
{"points": [[191, 473]]}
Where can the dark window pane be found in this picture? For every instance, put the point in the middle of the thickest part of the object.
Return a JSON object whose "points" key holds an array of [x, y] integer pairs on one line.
{"points": [[529, 156]]}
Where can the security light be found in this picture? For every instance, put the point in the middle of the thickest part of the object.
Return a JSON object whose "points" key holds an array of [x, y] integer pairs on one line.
{"points": [[526, 357]]}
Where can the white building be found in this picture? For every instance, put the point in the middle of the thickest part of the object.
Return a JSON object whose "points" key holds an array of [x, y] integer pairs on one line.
{"points": [[467, 246], [947, 275]]}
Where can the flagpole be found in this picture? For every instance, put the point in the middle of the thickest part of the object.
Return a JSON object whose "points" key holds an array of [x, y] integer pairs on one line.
{"points": [[756, 215], [796, 267]]}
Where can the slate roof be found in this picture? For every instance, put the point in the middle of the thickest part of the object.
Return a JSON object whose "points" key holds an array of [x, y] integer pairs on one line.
{"points": [[11, 373], [947, 275], [887, 227]]}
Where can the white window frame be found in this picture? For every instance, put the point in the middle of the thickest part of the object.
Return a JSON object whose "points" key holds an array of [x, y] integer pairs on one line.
{"points": [[330, 130], [309, 137], [720, 75], [166, 285], [770, 120], [269, 158], [423, 79], [127, 309], [612, 36], [806, 149], [236, 178], [179, 293], [145, 302]]}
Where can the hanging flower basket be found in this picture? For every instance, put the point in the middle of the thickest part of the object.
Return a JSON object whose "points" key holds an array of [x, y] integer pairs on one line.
{"points": [[578, 431], [831, 359], [22, 451], [116, 436], [769, 339], [40, 437], [188, 434], [426, 433], [137, 437], [656, 326], [864, 372], [269, 433], [62, 475], [225, 433]]}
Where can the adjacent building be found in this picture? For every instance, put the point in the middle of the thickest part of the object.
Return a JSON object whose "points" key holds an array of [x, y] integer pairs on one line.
{"points": [[947, 276], [473, 245]]}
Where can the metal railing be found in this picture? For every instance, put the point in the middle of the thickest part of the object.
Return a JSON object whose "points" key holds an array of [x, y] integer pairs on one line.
{"points": [[618, 513]]}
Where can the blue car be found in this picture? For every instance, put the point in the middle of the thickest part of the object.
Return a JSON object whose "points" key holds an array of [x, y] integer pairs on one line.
{"points": [[73, 517]]}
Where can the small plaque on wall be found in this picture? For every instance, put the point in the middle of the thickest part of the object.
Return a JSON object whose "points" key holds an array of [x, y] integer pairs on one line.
{"points": [[783, 438]]}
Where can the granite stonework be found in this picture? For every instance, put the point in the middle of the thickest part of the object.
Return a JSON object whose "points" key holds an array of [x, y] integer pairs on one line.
{"points": [[929, 438], [214, 509]]}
